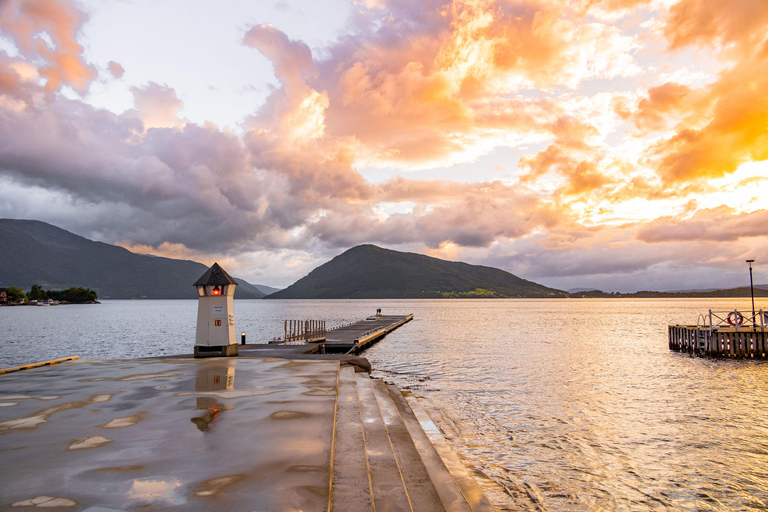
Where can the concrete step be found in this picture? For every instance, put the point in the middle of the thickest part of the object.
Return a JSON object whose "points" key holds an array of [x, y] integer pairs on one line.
{"points": [[421, 491], [351, 488], [474, 496], [387, 487], [450, 495]]}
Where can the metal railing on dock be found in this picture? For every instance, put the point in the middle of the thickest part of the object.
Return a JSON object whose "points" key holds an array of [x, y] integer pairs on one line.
{"points": [[304, 330], [732, 334]]}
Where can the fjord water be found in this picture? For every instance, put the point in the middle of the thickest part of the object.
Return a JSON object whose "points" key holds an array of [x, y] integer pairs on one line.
{"points": [[562, 404]]}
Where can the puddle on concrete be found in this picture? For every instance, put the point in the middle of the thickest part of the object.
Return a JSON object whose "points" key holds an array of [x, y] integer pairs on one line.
{"points": [[313, 382], [215, 379], [214, 486], [212, 409], [125, 421], [85, 443], [307, 469], [228, 394], [289, 415], [97, 399], [24, 397], [33, 420], [154, 490], [328, 391], [45, 502], [122, 468], [143, 376]]}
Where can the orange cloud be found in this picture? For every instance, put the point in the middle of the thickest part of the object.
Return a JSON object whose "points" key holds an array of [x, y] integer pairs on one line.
{"points": [[419, 103], [30, 22], [716, 23], [661, 101], [737, 131]]}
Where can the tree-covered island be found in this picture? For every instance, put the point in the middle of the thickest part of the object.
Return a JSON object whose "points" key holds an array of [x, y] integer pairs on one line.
{"points": [[15, 295]]}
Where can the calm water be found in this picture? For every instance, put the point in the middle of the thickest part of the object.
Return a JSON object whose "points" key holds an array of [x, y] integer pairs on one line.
{"points": [[561, 404]]}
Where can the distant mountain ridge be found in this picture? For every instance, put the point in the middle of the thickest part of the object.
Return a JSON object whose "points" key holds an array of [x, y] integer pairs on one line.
{"points": [[741, 292], [266, 290], [371, 272], [34, 252]]}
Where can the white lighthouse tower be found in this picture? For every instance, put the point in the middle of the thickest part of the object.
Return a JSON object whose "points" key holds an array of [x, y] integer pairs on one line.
{"points": [[215, 314]]}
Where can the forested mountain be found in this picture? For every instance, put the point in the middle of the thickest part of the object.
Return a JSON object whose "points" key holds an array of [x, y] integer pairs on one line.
{"points": [[34, 252], [370, 272]]}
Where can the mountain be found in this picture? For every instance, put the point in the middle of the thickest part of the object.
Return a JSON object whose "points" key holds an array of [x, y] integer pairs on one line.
{"points": [[33, 252], [266, 290], [370, 272]]}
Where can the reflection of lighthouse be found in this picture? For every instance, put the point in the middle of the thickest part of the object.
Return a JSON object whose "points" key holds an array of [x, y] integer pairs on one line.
{"points": [[212, 379], [215, 314]]}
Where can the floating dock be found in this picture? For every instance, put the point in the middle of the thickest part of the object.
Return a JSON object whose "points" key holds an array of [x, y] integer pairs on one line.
{"points": [[235, 433], [729, 334]]}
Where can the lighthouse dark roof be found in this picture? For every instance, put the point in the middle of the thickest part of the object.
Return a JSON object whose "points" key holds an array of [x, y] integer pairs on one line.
{"points": [[215, 276]]}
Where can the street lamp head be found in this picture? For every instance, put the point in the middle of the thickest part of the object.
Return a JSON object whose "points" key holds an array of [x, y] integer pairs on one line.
{"points": [[750, 261]]}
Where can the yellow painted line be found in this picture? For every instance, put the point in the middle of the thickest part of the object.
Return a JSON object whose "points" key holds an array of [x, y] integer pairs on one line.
{"points": [[36, 365]]}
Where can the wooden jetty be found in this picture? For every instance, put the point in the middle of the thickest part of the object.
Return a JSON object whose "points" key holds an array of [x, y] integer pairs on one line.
{"points": [[347, 339], [354, 337], [730, 334]]}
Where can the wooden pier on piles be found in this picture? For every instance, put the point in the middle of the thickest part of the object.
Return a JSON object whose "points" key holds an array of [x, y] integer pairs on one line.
{"points": [[354, 337], [349, 338], [729, 334]]}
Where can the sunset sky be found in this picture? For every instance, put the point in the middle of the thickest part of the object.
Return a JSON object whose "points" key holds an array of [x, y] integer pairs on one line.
{"points": [[611, 144]]}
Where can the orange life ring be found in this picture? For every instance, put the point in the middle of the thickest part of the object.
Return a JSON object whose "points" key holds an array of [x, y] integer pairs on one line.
{"points": [[735, 318]]}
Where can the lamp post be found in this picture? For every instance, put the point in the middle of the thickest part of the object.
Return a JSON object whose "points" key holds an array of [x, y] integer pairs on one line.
{"points": [[752, 291]]}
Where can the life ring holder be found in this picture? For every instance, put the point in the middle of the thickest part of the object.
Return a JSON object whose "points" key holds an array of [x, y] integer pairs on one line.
{"points": [[735, 318]]}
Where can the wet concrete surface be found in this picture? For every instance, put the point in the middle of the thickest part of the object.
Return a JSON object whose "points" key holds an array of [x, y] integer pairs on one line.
{"points": [[184, 434], [307, 352]]}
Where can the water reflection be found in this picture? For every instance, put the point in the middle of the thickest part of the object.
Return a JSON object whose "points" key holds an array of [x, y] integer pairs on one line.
{"points": [[156, 490], [210, 377]]}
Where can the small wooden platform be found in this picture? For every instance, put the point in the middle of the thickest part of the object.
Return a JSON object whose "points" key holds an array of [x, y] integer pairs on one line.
{"points": [[719, 342], [355, 337], [731, 334]]}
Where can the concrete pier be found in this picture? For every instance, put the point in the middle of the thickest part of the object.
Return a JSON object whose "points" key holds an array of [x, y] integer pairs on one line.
{"points": [[236, 434]]}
